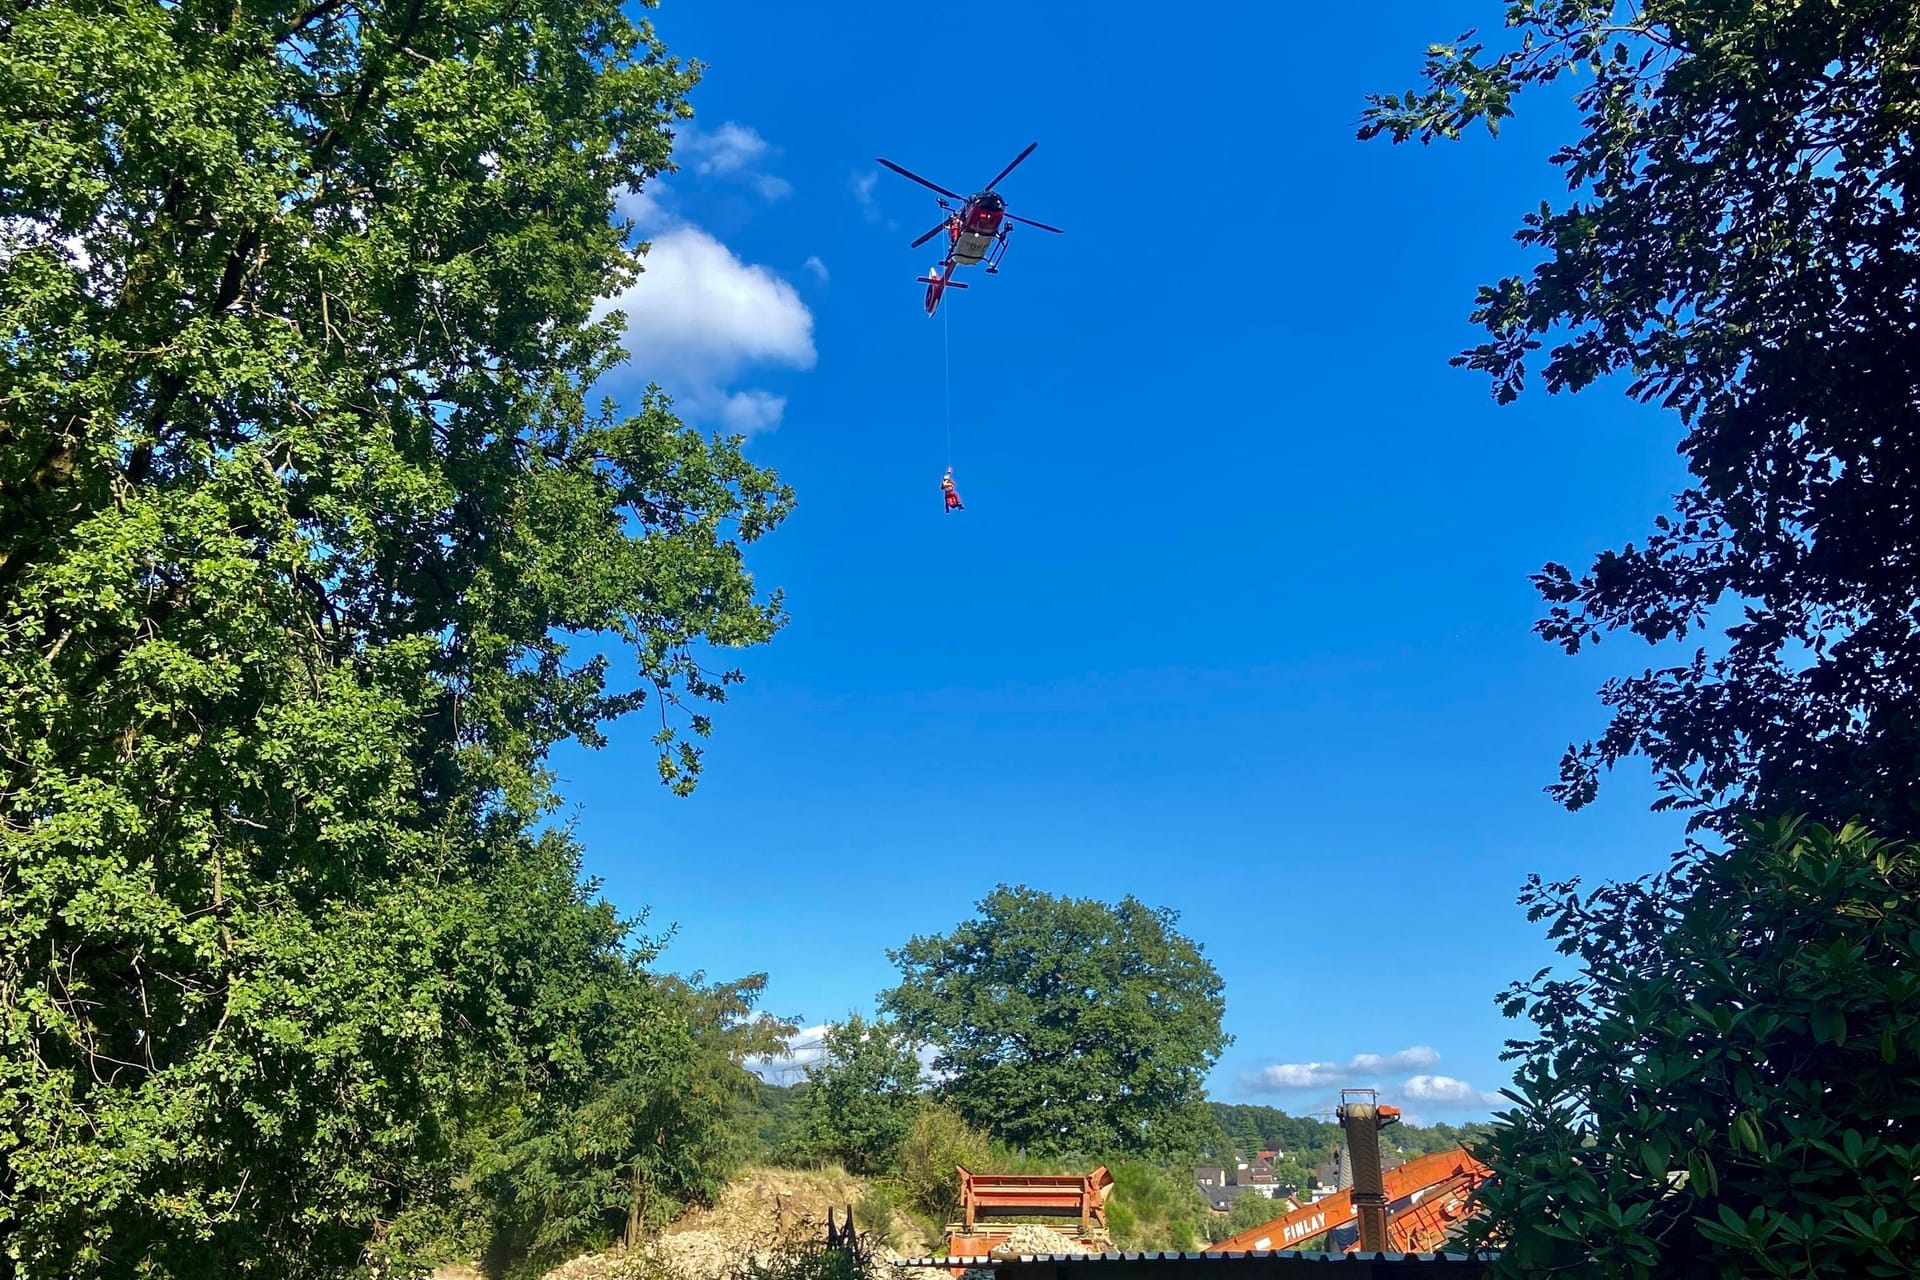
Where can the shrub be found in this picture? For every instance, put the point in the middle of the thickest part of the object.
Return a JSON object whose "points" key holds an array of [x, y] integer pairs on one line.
{"points": [[874, 1214], [1730, 1085], [1154, 1208], [924, 1171]]}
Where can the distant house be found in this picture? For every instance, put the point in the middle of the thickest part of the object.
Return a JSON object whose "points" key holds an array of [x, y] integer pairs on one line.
{"points": [[1210, 1175], [1220, 1199], [1269, 1156], [1326, 1180], [1258, 1174]]}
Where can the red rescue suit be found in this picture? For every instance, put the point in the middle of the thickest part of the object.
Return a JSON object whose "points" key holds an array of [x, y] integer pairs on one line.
{"points": [[952, 494]]}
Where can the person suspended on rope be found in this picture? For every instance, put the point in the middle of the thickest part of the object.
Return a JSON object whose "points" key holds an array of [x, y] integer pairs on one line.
{"points": [[952, 494]]}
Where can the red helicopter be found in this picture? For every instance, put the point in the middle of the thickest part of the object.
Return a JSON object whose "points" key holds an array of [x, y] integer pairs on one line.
{"points": [[976, 231]]}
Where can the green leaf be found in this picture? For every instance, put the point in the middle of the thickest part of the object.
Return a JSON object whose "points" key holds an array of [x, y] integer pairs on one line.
{"points": [[1853, 1145], [1700, 1164]]}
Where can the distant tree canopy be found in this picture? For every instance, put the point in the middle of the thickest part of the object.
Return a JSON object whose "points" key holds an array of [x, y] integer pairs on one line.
{"points": [[1729, 1086], [1406, 1141], [1067, 1025], [312, 546], [1306, 1142], [1743, 246], [1251, 1127], [776, 1121]]}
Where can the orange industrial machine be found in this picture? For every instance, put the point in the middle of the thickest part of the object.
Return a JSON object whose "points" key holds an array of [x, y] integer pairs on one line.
{"points": [[987, 1199], [1426, 1199]]}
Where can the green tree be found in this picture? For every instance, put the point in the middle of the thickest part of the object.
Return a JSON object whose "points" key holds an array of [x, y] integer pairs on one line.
{"points": [[651, 1124], [698, 1126], [1215, 1146], [1742, 219], [776, 1121], [862, 1095], [1729, 1086], [310, 544], [1067, 1025], [563, 984], [1247, 1138], [1249, 1210], [1290, 1174]]}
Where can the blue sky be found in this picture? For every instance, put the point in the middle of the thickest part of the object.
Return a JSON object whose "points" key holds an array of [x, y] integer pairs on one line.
{"points": [[1237, 617]]}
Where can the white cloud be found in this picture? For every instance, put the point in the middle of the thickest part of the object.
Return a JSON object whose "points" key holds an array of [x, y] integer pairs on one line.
{"points": [[816, 266], [697, 306], [1446, 1091], [698, 316], [745, 412], [1315, 1075], [862, 185], [1392, 1064], [733, 151], [1294, 1075], [729, 149]]}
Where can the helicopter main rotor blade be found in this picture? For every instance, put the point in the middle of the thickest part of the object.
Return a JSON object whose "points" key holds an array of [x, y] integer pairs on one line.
{"points": [[908, 173], [938, 227], [1010, 168], [1031, 223]]}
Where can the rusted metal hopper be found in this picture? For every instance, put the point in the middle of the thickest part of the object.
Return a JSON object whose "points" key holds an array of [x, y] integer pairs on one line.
{"points": [[987, 1200]]}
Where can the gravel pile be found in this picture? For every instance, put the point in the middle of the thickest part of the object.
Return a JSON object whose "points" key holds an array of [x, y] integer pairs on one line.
{"points": [[760, 1206], [1029, 1238], [701, 1255], [693, 1254], [591, 1266]]}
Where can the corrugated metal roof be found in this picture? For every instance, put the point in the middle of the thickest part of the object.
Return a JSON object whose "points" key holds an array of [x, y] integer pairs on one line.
{"points": [[1297, 1255]]}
